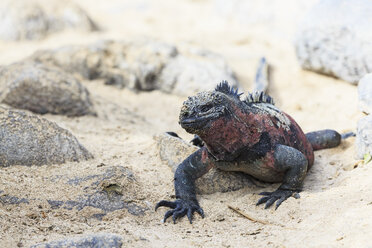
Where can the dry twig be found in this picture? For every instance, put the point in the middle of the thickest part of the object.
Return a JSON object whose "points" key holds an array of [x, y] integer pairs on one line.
{"points": [[254, 219]]}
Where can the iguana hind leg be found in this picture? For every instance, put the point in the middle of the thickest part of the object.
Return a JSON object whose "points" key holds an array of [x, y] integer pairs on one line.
{"points": [[294, 165]]}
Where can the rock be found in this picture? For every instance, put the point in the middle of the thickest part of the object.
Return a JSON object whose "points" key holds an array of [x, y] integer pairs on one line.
{"points": [[114, 189], [142, 64], [174, 150], [91, 194], [99, 240], [335, 39], [29, 140], [104, 201], [365, 94], [43, 89], [364, 136], [34, 19], [194, 71], [132, 64]]}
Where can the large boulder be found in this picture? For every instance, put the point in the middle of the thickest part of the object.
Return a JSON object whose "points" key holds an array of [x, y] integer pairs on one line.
{"points": [[34, 19], [142, 64], [335, 38], [364, 136], [365, 94], [174, 150], [27, 139], [43, 89]]}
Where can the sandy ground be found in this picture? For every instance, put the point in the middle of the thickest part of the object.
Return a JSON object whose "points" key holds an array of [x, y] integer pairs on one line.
{"points": [[334, 208]]}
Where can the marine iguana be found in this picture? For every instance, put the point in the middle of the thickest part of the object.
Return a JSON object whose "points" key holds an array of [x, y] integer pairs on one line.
{"points": [[251, 136]]}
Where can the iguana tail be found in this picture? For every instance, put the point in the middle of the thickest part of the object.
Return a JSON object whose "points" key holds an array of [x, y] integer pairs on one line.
{"points": [[327, 138]]}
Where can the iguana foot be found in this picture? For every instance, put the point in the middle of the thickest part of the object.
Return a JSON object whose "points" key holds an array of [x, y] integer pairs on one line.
{"points": [[197, 141], [279, 195], [180, 208]]}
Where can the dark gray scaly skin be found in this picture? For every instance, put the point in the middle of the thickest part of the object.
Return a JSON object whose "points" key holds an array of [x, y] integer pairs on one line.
{"points": [[251, 136]]}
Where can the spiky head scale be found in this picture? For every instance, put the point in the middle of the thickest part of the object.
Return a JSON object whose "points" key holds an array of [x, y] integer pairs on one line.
{"points": [[225, 88], [258, 96], [255, 97]]}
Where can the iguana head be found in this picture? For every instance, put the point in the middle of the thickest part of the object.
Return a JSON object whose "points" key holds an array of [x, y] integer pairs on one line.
{"points": [[223, 121], [198, 112]]}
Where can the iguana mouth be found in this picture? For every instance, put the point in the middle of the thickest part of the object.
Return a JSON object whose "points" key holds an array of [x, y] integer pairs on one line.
{"points": [[190, 121]]}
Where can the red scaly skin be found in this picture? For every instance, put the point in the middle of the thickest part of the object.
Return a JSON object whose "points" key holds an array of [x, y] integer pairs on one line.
{"points": [[225, 137]]}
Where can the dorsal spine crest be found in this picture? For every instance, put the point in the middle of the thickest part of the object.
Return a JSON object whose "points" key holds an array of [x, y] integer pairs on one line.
{"points": [[257, 97], [224, 87]]}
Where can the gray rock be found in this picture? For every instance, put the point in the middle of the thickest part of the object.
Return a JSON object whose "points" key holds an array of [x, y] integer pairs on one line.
{"points": [[174, 150], [364, 136], [114, 189], [112, 173], [29, 140], [133, 64], [34, 19], [142, 64], [98, 240], [96, 194], [365, 94], [107, 202], [335, 38], [43, 89]]}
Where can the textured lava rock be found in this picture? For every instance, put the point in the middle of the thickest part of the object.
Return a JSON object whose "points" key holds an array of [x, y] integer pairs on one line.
{"points": [[142, 64], [34, 19], [194, 70], [335, 39], [29, 140], [135, 65], [364, 136], [114, 189], [43, 89], [365, 94]]}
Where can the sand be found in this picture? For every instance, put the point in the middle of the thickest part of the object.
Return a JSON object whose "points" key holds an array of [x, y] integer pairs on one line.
{"points": [[336, 202]]}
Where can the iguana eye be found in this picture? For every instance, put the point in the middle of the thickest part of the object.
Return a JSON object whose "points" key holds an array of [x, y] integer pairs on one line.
{"points": [[218, 99], [205, 108]]}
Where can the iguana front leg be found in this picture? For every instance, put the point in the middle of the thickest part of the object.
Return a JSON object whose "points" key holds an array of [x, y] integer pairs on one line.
{"points": [[193, 167], [294, 164]]}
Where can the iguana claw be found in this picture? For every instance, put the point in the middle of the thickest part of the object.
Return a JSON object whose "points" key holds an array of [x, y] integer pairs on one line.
{"points": [[279, 195], [180, 208]]}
